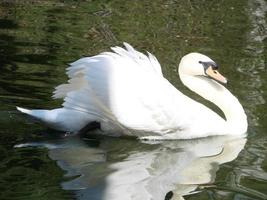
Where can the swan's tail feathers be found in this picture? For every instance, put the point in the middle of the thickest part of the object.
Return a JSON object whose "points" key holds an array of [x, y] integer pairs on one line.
{"points": [[43, 116], [61, 119], [36, 114], [23, 110]]}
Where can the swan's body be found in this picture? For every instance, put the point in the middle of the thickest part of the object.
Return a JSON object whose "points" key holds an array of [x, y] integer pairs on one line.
{"points": [[127, 94]]}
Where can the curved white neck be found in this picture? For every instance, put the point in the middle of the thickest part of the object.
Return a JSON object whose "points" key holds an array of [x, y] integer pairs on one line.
{"points": [[236, 119]]}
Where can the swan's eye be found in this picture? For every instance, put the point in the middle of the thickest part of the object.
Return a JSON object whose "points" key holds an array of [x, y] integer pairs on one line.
{"points": [[208, 64], [214, 71]]}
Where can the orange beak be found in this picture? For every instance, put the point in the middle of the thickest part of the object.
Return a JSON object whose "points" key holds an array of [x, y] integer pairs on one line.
{"points": [[214, 74]]}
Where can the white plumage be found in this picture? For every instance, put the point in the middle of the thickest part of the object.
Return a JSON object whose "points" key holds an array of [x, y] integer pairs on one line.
{"points": [[125, 92]]}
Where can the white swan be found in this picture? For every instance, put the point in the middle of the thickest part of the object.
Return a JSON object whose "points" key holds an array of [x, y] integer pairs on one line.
{"points": [[126, 93]]}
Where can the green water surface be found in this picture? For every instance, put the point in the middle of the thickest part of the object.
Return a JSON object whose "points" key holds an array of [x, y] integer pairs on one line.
{"points": [[38, 38]]}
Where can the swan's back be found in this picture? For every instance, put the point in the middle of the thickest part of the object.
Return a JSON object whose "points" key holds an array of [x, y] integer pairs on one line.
{"points": [[123, 90]]}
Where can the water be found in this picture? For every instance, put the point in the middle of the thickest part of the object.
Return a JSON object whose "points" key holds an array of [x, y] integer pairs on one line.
{"points": [[39, 38]]}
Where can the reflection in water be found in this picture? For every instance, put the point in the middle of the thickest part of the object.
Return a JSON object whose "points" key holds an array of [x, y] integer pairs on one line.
{"points": [[149, 172]]}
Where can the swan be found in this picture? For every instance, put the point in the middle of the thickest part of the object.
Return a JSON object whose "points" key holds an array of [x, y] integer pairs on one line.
{"points": [[125, 92]]}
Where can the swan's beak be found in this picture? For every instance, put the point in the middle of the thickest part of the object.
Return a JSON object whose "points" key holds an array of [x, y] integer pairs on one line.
{"points": [[214, 74]]}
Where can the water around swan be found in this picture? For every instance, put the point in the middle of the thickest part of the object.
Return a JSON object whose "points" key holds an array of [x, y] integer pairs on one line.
{"points": [[39, 38]]}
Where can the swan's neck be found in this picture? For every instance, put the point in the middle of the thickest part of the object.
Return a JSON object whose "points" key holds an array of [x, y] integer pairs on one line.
{"points": [[236, 119]]}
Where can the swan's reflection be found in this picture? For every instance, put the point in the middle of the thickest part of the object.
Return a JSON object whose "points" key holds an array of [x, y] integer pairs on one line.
{"points": [[122, 169]]}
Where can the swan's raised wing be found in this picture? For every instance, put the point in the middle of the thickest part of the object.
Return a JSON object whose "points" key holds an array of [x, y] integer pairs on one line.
{"points": [[123, 87], [77, 69]]}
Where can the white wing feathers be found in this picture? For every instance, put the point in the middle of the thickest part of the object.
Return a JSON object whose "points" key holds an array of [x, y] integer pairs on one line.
{"points": [[150, 62], [117, 87], [77, 69]]}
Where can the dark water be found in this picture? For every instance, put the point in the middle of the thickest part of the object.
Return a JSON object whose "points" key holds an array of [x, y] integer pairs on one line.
{"points": [[39, 38]]}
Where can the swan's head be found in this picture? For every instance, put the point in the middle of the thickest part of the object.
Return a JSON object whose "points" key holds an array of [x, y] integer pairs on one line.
{"points": [[196, 64]]}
